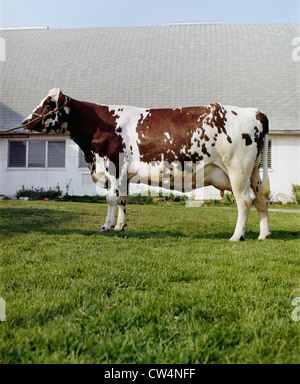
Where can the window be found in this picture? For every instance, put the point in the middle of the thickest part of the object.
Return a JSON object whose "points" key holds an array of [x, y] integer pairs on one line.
{"points": [[81, 162], [17, 154], [56, 154], [36, 154], [269, 156]]}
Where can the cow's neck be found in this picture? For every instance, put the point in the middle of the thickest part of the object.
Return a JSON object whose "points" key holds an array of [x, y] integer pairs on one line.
{"points": [[85, 120], [92, 127]]}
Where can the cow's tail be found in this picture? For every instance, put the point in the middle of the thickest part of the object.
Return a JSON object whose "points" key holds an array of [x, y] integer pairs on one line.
{"points": [[265, 180], [265, 132]]}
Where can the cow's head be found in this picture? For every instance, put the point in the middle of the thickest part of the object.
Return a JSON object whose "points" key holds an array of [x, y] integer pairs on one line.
{"points": [[51, 116]]}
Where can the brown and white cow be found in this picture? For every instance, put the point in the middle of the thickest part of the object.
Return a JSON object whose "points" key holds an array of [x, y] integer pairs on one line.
{"points": [[220, 144]]}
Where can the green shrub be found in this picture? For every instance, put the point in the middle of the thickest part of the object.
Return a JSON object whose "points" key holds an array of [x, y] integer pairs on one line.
{"points": [[137, 200], [39, 193], [172, 197], [141, 200], [296, 193], [229, 198], [84, 199]]}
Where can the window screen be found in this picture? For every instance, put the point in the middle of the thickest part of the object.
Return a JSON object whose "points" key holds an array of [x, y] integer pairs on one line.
{"points": [[56, 154], [82, 163], [17, 154], [269, 156], [36, 154]]}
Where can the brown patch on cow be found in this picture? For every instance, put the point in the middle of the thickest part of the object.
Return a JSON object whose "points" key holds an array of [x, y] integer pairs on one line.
{"points": [[204, 135], [260, 134], [196, 157], [204, 150], [93, 127], [218, 119], [264, 121], [234, 113], [247, 138], [166, 133], [177, 124]]}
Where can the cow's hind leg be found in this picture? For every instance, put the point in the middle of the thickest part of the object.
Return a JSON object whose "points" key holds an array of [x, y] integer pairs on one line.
{"points": [[244, 196], [121, 222], [261, 205]]}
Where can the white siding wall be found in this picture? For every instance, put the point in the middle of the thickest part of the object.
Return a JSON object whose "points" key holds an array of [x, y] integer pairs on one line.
{"points": [[285, 171], [285, 163], [12, 179]]}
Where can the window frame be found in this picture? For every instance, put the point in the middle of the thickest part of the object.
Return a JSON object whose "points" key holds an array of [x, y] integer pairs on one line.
{"points": [[270, 162], [81, 156], [27, 145]]}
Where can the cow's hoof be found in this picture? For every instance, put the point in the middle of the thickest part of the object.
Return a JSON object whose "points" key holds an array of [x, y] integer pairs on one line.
{"points": [[120, 228], [265, 237], [237, 239], [103, 231]]}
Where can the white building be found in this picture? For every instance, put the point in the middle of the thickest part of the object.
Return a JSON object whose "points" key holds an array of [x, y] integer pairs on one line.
{"points": [[172, 66]]}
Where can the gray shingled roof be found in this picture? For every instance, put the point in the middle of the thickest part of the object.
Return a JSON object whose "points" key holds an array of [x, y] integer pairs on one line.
{"points": [[172, 66]]}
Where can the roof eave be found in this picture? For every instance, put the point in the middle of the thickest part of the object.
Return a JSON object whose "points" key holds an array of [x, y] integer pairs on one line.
{"points": [[285, 132]]}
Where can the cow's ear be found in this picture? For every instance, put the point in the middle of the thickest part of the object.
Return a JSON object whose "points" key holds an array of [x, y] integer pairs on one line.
{"points": [[61, 99]]}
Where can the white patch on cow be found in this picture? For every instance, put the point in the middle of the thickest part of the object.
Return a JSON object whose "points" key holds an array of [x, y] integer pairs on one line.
{"points": [[183, 150], [29, 117], [51, 121], [128, 119], [100, 169], [54, 93], [167, 136], [172, 152]]}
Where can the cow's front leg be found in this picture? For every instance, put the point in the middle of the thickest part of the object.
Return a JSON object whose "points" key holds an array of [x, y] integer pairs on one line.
{"points": [[110, 218], [118, 187], [121, 223], [111, 198]]}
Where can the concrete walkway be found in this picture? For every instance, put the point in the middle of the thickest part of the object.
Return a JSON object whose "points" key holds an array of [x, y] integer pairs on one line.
{"points": [[285, 210], [192, 204]]}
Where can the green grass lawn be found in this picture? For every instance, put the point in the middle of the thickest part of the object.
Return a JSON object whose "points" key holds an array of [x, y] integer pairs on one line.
{"points": [[171, 289]]}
